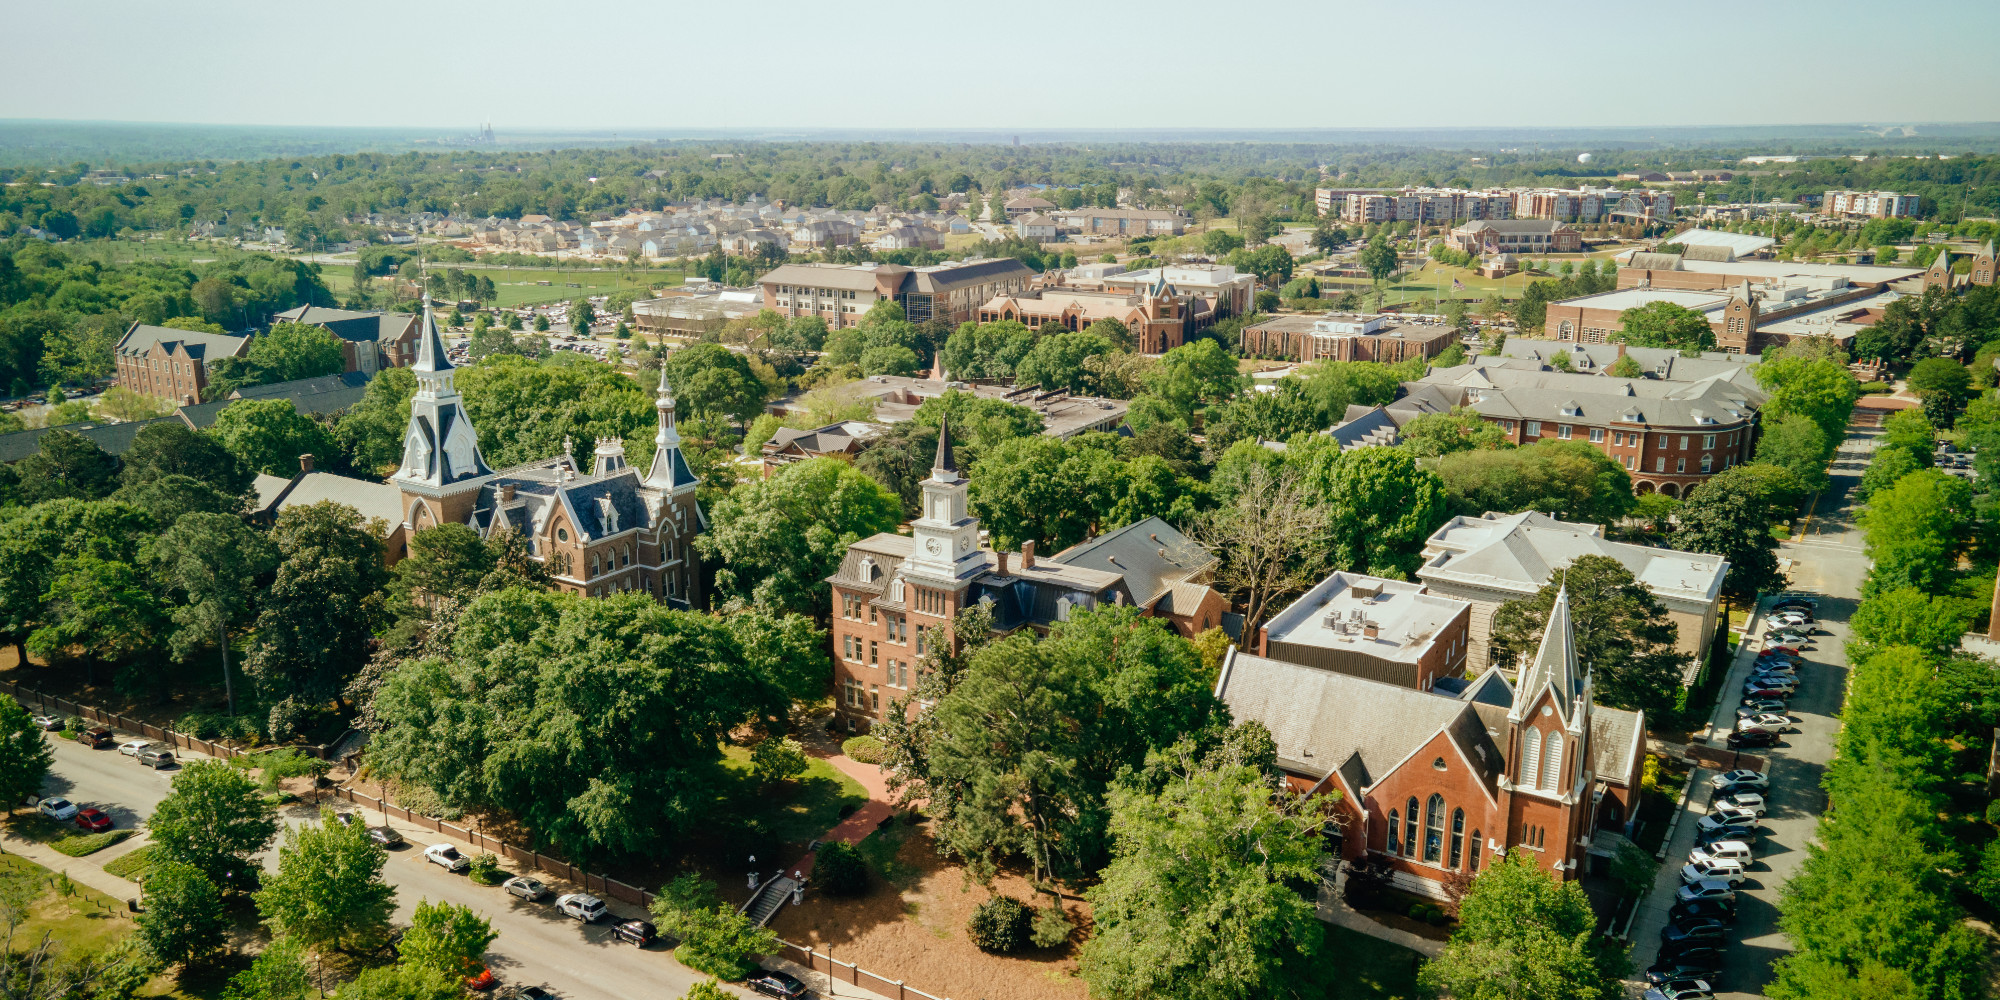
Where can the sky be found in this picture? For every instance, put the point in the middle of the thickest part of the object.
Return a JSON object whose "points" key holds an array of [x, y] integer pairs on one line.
{"points": [[665, 64]]}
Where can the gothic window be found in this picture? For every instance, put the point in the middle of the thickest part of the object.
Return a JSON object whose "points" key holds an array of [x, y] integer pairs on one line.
{"points": [[1410, 828], [1457, 838], [1434, 828], [624, 555], [1531, 757], [1552, 763], [593, 567], [1395, 831], [1476, 845]]}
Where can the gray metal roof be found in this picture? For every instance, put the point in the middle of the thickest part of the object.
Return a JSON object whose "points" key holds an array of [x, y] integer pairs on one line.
{"points": [[141, 338], [326, 394], [1151, 555], [115, 439]]}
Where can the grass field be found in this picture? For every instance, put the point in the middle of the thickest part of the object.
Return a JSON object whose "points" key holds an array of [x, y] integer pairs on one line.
{"points": [[520, 286]]}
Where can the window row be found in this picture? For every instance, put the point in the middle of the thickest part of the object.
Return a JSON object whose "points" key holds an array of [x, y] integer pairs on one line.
{"points": [[1403, 835]]}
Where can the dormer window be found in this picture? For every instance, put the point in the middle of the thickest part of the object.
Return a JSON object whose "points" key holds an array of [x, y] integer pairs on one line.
{"points": [[866, 571]]}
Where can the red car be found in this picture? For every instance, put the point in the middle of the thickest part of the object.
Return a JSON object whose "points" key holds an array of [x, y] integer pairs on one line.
{"points": [[93, 820], [483, 981]]}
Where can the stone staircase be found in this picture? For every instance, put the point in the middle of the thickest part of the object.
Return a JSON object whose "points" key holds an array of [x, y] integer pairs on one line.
{"points": [[765, 902]]}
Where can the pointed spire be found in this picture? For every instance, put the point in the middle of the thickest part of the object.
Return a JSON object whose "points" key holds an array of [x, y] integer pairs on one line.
{"points": [[666, 440], [946, 462], [431, 355]]}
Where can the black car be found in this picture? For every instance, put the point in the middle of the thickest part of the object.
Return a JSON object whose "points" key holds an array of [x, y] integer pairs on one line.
{"points": [[1667, 970], [1752, 738], [385, 836], [638, 932], [776, 984], [1725, 791], [1714, 909], [526, 993], [1691, 952], [1697, 929]]}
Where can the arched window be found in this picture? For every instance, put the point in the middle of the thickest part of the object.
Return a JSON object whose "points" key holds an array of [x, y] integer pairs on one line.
{"points": [[593, 567], [1395, 832], [1457, 838], [1552, 763], [1410, 828], [1531, 757], [1477, 843], [624, 555], [1434, 828]]}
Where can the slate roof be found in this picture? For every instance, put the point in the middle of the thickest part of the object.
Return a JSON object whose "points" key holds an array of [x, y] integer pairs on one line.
{"points": [[1151, 555], [824, 440], [372, 499], [1616, 738], [348, 324], [1322, 720], [326, 394], [115, 439], [141, 338], [1544, 395], [1521, 552]]}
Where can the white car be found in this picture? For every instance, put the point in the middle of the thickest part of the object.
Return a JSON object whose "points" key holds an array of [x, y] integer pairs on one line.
{"points": [[131, 748], [1722, 850], [581, 905], [1730, 812], [1727, 872], [448, 856], [1749, 802], [1742, 776], [57, 808], [525, 887], [1767, 720]]}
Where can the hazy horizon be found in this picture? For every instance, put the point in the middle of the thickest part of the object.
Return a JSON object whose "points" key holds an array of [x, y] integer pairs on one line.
{"points": [[617, 65]]}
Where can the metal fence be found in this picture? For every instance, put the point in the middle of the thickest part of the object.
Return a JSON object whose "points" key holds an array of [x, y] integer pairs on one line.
{"points": [[63, 706]]}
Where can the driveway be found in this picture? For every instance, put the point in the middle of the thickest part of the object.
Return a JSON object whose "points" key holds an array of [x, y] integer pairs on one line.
{"points": [[1827, 560], [536, 946]]}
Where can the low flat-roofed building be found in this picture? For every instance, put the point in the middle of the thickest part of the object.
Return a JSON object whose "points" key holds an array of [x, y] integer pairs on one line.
{"points": [[1734, 245], [1496, 558], [1346, 337], [1366, 626]]}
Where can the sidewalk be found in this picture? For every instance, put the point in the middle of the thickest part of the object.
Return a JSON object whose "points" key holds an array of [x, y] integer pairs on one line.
{"points": [[864, 821], [1335, 911]]}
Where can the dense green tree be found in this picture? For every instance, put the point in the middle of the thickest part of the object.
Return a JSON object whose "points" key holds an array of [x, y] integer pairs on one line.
{"points": [[777, 540], [1731, 515], [1622, 633], [1194, 374], [403, 981], [447, 938], [1914, 531], [67, 465], [211, 563], [987, 350], [292, 351], [172, 448], [1569, 480], [1798, 445], [314, 621], [1523, 933], [1944, 386], [25, 757], [595, 722], [103, 609], [1198, 901], [1885, 469], [215, 820], [1056, 363], [328, 890], [269, 435], [1820, 389], [714, 382], [980, 422], [1378, 258], [182, 920], [526, 409], [1910, 617], [1025, 747], [1381, 506], [787, 650], [371, 432], [278, 973], [1436, 434], [1666, 324]]}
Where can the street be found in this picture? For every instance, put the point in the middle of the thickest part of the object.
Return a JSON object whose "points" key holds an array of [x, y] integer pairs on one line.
{"points": [[1827, 560], [537, 946]]}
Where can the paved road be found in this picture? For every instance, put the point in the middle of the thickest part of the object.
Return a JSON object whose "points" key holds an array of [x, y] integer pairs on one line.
{"points": [[1827, 559], [536, 945]]}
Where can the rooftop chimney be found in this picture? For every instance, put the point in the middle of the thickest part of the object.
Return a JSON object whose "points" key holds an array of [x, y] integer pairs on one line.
{"points": [[305, 464], [1028, 554], [1002, 555], [1370, 630], [506, 492]]}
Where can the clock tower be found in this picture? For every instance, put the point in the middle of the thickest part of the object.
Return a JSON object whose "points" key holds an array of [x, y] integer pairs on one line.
{"points": [[947, 535]]}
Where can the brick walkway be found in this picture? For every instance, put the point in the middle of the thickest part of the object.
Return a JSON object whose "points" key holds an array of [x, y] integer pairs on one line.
{"points": [[864, 820]]}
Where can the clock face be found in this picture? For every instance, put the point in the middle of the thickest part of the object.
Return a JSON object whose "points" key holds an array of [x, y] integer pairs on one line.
{"points": [[934, 546]]}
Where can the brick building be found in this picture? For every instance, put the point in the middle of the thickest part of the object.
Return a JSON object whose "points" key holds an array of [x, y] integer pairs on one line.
{"points": [[1157, 317], [895, 595], [1345, 337], [369, 341], [1383, 630], [841, 294], [1435, 784], [1516, 236], [1671, 436], [602, 531], [171, 364]]}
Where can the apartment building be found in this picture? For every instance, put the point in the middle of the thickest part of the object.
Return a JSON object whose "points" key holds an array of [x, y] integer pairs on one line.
{"points": [[841, 294], [1869, 204], [1124, 222], [1670, 436], [1415, 204], [1345, 337]]}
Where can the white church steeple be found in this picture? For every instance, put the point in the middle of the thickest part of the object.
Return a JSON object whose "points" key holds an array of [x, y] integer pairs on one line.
{"points": [[440, 447]]}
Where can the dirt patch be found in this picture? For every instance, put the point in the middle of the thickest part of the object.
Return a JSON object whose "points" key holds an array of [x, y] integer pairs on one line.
{"points": [[911, 926]]}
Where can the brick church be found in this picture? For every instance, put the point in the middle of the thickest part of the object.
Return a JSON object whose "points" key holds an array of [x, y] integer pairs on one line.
{"points": [[604, 531]]}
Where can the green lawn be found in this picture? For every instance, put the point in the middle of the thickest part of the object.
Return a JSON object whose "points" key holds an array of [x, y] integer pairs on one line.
{"points": [[795, 811], [132, 867], [64, 837], [1369, 969], [80, 919]]}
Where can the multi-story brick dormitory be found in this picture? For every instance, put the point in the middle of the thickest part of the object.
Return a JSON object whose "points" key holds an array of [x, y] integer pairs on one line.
{"points": [[1515, 236], [1436, 784], [895, 595], [841, 294], [1156, 317], [170, 364], [1671, 436], [369, 341], [1345, 337], [602, 531]]}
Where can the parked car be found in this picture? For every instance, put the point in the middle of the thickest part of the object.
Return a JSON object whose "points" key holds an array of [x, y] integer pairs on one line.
{"points": [[1719, 909], [1756, 708], [1791, 651], [638, 932], [57, 808], [1707, 888], [1680, 989], [1728, 790], [1760, 688], [97, 736], [1747, 835], [1722, 850], [525, 887], [385, 836], [1738, 822], [1753, 803], [1682, 969], [526, 993], [1791, 618], [1754, 726], [1754, 738], [448, 857], [481, 980], [48, 723], [1731, 810], [1791, 638], [131, 748], [581, 905], [1720, 871], [776, 984], [156, 757], [93, 820], [1703, 929]]}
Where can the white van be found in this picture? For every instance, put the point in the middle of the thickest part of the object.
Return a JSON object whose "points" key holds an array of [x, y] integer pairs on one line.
{"points": [[1722, 850]]}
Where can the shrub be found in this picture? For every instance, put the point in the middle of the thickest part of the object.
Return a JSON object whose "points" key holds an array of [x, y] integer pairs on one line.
{"points": [[777, 758], [707, 989], [1419, 911], [1000, 924], [1649, 775], [1993, 812], [1052, 926], [485, 870], [89, 843], [1435, 916], [863, 749], [839, 869]]}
